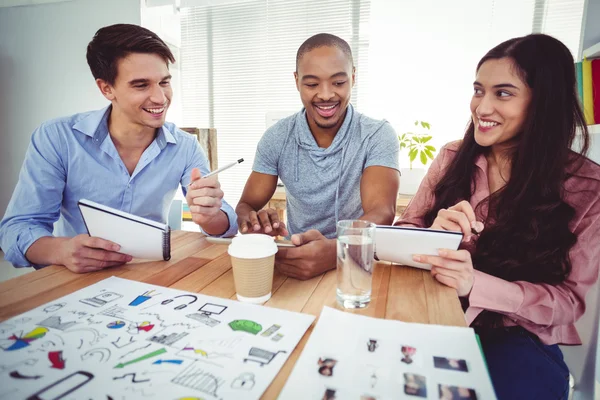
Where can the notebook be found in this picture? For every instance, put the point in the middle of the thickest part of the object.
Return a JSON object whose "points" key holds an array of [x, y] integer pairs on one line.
{"points": [[139, 237]]}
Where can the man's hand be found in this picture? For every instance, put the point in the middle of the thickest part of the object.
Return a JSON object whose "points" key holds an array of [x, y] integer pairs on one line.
{"points": [[204, 197], [314, 255], [265, 221], [83, 253]]}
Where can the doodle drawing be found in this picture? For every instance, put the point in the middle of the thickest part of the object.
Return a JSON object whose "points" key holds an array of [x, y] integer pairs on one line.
{"points": [[244, 381], [142, 298], [194, 377], [168, 339], [181, 306], [115, 312], [19, 342], [56, 359], [168, 362], [55, 322], [272, 329], [261, 356], [102, 352], [54, 307], [206, 312], [133, 380], [142, 358], [101, 299], [63, 387], [29, 362], [277, 337], [122, 344], [17, 375], [115, 325], [246, 326], [136, 328], [197, 353]]}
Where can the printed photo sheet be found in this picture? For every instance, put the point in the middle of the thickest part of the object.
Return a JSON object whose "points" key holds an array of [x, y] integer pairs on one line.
{"points": [[350, 356], [121, 339]]}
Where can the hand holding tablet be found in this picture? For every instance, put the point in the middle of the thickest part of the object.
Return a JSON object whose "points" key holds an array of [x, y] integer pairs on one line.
{"points": [[398, 244]]}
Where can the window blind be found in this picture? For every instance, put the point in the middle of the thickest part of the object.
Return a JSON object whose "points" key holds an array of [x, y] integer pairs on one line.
{"points": [[415, 60], [237, 68]]}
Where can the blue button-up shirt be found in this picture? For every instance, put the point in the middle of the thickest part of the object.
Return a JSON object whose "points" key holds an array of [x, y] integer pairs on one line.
{"points": [[73, 158]]}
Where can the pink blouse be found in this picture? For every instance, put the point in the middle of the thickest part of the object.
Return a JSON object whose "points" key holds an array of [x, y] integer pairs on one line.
{"points": [[549, 311]]}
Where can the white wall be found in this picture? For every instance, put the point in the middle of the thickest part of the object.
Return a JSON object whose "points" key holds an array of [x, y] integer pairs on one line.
{"points": [[591, 33], [43, 70]]}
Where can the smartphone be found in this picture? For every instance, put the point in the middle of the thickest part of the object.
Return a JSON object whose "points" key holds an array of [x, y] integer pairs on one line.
{"points": [[279, 243]]}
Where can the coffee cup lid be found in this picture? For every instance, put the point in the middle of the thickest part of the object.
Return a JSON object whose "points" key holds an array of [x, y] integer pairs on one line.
{"points": [[252, 245]]}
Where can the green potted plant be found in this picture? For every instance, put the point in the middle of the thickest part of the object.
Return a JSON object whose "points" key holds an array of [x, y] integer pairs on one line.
{"points": [[417, 148]]}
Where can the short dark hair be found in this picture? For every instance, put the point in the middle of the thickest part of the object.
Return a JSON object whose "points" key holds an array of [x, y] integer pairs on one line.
{"points": [[323, 40], [114, 42]]}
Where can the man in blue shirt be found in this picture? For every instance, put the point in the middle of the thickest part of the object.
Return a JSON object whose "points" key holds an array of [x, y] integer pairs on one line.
{"points": [[125, 156]]}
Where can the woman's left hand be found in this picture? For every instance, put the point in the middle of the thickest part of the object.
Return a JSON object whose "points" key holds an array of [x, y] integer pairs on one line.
{"points": [[453, 268]]}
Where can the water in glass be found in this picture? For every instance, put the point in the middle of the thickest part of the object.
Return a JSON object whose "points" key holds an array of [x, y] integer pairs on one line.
{"points": [[354, 270]]}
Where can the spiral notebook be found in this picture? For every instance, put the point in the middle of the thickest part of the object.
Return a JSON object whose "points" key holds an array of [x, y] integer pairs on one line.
{"points": [[139, 237]]}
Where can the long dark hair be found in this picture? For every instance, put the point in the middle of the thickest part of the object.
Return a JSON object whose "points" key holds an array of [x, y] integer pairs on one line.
{"points": [[526, 235]]}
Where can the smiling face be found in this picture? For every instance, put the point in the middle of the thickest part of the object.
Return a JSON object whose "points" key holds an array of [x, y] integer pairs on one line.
{"points": [[142, 91], [325, 78], [500, 103]]}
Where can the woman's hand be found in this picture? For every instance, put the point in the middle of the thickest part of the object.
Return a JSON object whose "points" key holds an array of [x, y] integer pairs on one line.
{"points": [[458, 218], [453, 268]]}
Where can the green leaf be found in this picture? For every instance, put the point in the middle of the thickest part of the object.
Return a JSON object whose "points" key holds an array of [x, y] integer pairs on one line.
{"points": [[426, 139], [425, 125], [430, 148], [416, 123], [423, 158], [429, 153], [413, 154], [402, 145]]}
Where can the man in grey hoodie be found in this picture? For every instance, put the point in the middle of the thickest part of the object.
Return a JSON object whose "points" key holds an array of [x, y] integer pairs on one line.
{"points": [[335, 163]]}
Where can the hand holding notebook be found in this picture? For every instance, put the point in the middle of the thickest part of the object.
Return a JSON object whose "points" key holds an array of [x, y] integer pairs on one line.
{"points": [[137, 236]]}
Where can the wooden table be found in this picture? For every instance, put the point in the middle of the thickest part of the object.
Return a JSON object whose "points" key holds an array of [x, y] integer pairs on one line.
{"points": [[278, 202], [399, 292]]}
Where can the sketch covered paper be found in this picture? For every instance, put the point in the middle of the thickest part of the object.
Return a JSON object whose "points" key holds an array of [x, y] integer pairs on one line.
{"points": [[121, 339], [350, 356]]}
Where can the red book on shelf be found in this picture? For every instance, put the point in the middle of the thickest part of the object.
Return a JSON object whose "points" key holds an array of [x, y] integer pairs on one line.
{"points": [[596, 83]]}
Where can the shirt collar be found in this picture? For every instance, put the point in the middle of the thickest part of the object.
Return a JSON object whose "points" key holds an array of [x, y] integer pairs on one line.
{"points": [[481, 162], [95, 125]]}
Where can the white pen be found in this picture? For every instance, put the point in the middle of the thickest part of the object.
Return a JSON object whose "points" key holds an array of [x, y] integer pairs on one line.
{"points": [[216, 171]]}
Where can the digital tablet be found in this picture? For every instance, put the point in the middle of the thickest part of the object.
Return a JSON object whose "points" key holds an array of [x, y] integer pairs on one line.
{"points": [[214, 240], [397, 244]]}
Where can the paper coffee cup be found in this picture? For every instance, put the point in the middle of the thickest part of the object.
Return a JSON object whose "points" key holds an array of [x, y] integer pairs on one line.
{"points": [[252, 260]]}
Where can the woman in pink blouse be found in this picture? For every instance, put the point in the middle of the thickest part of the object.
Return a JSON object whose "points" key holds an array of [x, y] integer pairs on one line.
{"points": [[529, 208]]}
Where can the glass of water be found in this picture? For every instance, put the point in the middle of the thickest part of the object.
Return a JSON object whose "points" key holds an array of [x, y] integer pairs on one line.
{"points": [[355, 264]]}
